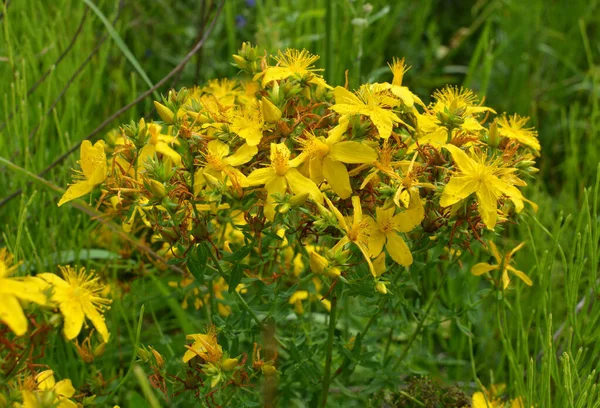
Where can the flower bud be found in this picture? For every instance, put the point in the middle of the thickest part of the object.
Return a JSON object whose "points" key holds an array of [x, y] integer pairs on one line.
{"points": [[160, 361], [269, 370], [318, 263], [381, 288], [333, 272], [212, 181], [156, 188], [298, 199], [493, 136], [270, 112], [230, 364], [165, 113]]}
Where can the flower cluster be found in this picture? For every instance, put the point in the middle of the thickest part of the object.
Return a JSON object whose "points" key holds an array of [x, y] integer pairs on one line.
{"points": [[345, 177]]}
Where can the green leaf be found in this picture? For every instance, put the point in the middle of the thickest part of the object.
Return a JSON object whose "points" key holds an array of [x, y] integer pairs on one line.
{"points": [[235, 277], [197, 262], [238, 254]]}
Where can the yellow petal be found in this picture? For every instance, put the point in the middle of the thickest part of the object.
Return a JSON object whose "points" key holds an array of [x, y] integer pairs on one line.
{"points": [[464, 162], [261, 176], [315, 169], [488, 206], [11, 313], [336, 175], [92, 158], [74, 317], [343, 96], [217, 148], [336, 134], [515, 249], [338, 215], [167, 151], [384, 122], [352, 152], [275, 74], [481, 268], [45, 380], [379, 265], [300, 184], [494, 251], [277, 185], [521, 275], [357, 207], [458, 188], [97, 320], [76, 190], [398, 249], [365, 253], [376, 242], [411, 218], [479, 401], [64, 388], [30, 288], [243, 155]]}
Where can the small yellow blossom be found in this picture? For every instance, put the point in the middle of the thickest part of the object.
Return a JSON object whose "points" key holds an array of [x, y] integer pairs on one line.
{"points": [[452, 98], [296, 300], [47, 390], [248, 123], [14, 289], [327, 158], [93, 171], [513, 127], [503, 265], [220, 163], [358, 232], [78, 297], [372, 101], [281, 175], [492, 398], [157, 143], [486, 180], [294, 63], [205, 346], [386, 227]]}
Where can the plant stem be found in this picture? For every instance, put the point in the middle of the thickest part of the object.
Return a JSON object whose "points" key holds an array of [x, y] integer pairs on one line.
{"points": [[421, 323], [239, 297], [329, 351]]}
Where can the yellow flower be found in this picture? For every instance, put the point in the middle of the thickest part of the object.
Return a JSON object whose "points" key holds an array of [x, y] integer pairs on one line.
{"points": [[512, 127], [490, 398], [487, 180], [296, 300], [372, 101], [157, 143], [386, 228], [357, 233], [78, 297], [219, 162], [205, 346], [453, 99], [326, 158], [14, 289], [408, 187], [398, 69], [63, 390], [503, 265], [281, 175], [93, 171], [294, 63], [248, 123]]}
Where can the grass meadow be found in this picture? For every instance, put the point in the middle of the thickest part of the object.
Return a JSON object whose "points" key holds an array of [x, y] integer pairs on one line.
{"points": [[440, 335]]}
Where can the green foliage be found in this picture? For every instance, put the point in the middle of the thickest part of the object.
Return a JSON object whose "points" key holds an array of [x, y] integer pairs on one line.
{"points": [[537, 58]]}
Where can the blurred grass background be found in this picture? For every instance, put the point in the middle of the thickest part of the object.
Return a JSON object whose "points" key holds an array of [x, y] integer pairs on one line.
{"points": [[536, 58]]}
